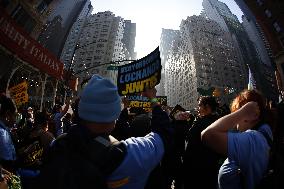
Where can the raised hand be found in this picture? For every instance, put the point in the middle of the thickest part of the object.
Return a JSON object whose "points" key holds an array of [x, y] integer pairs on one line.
{"points": [[249, 112]]}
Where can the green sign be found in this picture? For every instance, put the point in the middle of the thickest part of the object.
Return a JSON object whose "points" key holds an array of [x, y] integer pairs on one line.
{"points": [[112, 67]]}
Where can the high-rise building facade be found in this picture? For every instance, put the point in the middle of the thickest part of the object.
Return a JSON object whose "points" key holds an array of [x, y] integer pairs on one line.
{"points": [[270, 18], [255, 36], [74, 34], [128, 39], [247, 53], [217, 11], [166, 40], [203, 56], [59, 23], [101, 39]]}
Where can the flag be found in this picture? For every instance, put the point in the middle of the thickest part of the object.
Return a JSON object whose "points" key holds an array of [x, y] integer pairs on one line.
{"points": [[251, 82]]}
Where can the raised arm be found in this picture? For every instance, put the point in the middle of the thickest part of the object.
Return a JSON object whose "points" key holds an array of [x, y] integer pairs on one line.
{"points": [[216, 135]]}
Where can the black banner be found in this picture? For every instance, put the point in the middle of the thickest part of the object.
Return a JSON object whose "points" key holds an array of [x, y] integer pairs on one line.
{"points": [[134, 77]]}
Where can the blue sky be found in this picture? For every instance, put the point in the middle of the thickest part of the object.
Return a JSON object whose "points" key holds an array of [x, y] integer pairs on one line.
{"points": [[151, 16]]}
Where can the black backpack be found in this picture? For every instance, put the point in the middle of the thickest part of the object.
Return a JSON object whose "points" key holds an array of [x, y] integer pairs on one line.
{"points": [[78, 160]]}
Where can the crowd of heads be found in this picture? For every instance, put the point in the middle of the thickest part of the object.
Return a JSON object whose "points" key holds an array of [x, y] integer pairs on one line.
{"points": [[99, 106]]}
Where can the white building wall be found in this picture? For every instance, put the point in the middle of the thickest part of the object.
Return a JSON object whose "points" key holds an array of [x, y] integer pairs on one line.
{"points": [[205, 57], [167, 37], [101, 40]]}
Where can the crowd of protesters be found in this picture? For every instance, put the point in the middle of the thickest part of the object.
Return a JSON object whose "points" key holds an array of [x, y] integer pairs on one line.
{"points": [[161, 149]]}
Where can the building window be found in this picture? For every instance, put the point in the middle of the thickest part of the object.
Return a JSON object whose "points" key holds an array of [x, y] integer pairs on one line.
{"points": [[100, 45], [277, 27], [268, 13], [23, 19]]}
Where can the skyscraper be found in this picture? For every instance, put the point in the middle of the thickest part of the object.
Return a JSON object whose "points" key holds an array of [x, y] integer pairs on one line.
{"points": [[203, 56], [166, 40], [74, 34], [128, 39], [255, 36], [270, 18], [101, 42], [247, 53], [59, 23]]}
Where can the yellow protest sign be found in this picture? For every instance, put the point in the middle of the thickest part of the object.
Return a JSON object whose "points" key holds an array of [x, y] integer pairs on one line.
{"points": [[19, 88], [19, 93], [21, 98]]}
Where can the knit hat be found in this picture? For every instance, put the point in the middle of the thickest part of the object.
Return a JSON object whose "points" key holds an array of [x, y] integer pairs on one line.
{"points": [[99, 101]]}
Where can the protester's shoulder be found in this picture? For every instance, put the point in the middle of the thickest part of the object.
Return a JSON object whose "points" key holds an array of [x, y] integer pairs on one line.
{"points": [[150, 145], [150, 138], [250, 141], [142, 154]]}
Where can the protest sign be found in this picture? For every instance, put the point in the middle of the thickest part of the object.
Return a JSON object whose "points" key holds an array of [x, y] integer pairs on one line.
{"points": [[144, 102], [19, 93], [144, 73]]}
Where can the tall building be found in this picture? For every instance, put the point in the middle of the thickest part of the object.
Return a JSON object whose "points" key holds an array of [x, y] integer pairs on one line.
{"points": [[101, 40], [166, 40], [218, 11], [203, 56], [59, 23], [256, 37], [247, 53], [129, 39], [74, 34], [270, 18]]}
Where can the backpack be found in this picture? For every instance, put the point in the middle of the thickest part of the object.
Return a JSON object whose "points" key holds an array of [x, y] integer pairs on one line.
{"points": [[273, 179], [78, 160]]}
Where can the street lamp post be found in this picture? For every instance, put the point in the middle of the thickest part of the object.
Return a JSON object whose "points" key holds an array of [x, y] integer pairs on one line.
{"points": [[98, 65]]}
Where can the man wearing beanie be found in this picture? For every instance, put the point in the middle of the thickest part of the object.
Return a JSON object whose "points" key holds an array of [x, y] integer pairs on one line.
{"points": [[124, 165]]}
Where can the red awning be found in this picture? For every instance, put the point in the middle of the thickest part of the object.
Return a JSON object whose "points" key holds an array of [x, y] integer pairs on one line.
{"points": [[16, 40]]}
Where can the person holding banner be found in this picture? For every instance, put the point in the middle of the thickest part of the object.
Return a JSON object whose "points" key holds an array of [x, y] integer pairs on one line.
{"points": [[99, 108]]}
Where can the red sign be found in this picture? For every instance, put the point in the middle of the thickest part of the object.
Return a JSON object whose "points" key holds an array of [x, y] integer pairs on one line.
{"points": [[16, 40]]}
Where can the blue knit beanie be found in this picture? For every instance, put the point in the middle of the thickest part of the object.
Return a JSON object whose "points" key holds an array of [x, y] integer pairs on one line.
{"points": [[99, 101]]}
